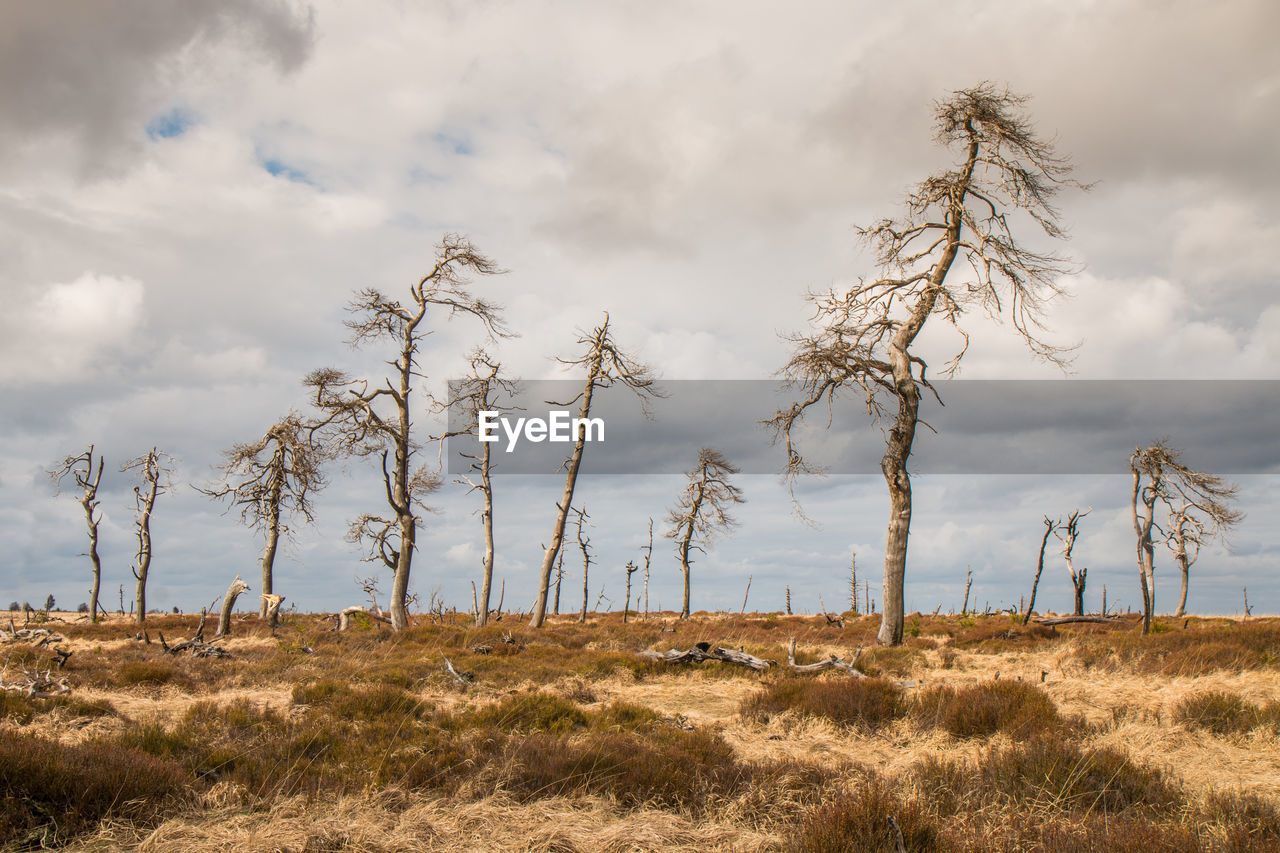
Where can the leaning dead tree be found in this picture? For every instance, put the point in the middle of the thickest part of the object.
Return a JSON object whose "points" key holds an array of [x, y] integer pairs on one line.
{"points": [[228, 604], [606, 365], [482, 391], [154, 467], [363, 418], [953, 250], [1194, 501], [1050, 527], [702, 510], [271, 479], [1067, 534], [88, 477]]}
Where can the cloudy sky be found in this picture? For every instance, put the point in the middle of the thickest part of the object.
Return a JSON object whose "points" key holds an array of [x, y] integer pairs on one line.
{"points": [[189, 194]]}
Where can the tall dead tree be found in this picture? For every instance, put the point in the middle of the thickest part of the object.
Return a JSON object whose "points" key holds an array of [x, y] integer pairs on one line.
{"points": [[863, 337], [154, 467], [1050, 525], [630, 568], [584, 544], [606, 365], [702, 511], [88, 477], [648, 556], [363, 418], [482, 391], [1161, 480], [559, 579], [269, 480], [853, 582], [1067, 534]]}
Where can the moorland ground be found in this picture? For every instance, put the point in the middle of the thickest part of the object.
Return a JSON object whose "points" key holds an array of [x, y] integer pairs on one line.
{"points": [[977, 734]]}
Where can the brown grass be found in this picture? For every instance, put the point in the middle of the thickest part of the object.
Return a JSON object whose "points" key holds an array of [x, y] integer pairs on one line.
{"points": [[567, 740]]}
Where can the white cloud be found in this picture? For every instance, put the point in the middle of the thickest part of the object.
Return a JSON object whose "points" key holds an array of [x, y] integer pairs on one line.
{"points": [[73, 330]]}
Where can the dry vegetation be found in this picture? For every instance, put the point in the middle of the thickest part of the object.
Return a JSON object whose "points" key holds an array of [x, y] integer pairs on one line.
{"points": [[978, 734]]}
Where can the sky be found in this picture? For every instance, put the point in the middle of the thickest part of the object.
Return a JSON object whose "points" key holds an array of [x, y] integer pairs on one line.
{"points": [[191, 193]]}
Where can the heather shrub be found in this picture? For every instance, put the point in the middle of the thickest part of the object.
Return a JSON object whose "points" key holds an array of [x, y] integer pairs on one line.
{"points": [[866, 703]]}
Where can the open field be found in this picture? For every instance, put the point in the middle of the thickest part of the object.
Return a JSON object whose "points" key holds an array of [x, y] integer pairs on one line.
{"points": [[977, 734]]}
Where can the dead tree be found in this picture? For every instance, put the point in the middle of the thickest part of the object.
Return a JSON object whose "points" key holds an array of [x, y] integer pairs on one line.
{"points": [[630, 568], [1050, 525], [228, 602], [559, 578], [606, 365], [862, 338], [853, 582], [702, 511], [482, 391], [648, 555], [270, 479], [584, 543], [1068, 533], [154, 467], [968, 583], [1160, 479], [362, 418], [88, 477]]}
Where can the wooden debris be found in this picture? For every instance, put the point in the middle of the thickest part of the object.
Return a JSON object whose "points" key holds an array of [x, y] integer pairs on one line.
{"points": [[1068, 620], [344, 617], [462, 679], [33, 683], [832, 662], [704, 652]]}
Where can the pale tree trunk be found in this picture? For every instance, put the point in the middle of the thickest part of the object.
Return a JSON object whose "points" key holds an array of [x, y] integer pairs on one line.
{"points": [[562, 509], [1184, 564], [228, 602], [1146, 551], [269, 553], [1077, 583], [144, 537], [398, 492], [486, 488], [685, 544], [93, 558]]}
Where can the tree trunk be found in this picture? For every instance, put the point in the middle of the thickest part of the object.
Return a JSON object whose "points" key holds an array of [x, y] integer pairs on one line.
{"points": [[1078, 584], [1035, 584], [562, 509], [486, 488], [1146, 552], [1185, 566], [144, 539], [273, 540], [93, 558], [229, 601], [400, 585]]}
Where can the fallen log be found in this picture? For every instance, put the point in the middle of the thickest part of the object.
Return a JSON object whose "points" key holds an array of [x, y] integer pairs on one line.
{"points": [[344, 617], [832, 662], [700, 652], [1068, 620]]}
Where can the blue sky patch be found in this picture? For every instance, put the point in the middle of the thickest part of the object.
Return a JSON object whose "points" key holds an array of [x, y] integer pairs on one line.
{"points": [[175, 122], [277, 168]]}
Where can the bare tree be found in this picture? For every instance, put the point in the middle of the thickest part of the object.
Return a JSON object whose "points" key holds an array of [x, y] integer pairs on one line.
{"points": [[606, 365], [1050, 526], [584, 543], [630, 568], [361, 418], [88, 477], [648, 556], [702, 510], [228, 604], [155, 468], [1067, 534], [863, 337], [482, 391], [270, 479], [1160, 479]]}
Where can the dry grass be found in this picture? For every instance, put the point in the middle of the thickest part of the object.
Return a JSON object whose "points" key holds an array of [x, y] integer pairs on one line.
{"points": [[1083, 737]]}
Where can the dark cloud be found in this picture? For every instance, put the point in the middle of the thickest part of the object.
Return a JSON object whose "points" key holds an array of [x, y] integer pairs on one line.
{"points": [[94, 75]]}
